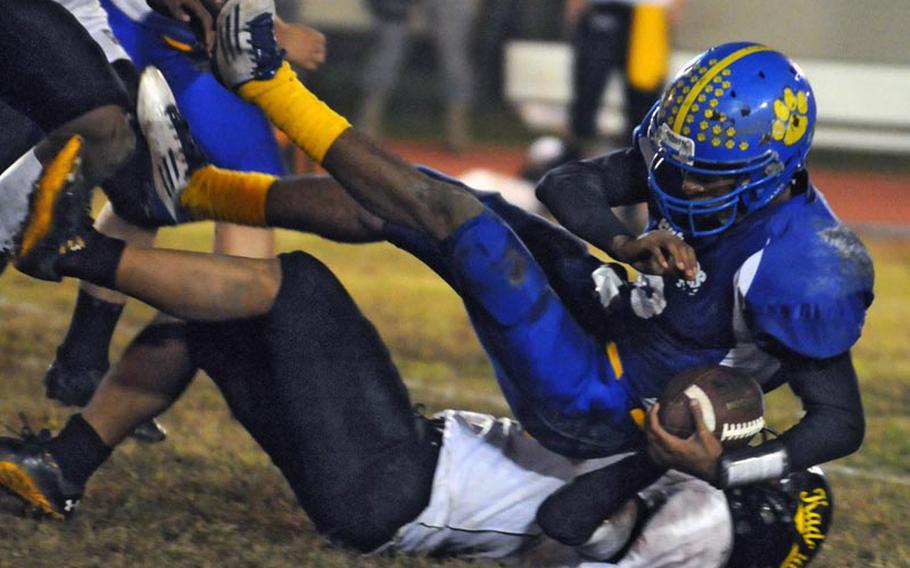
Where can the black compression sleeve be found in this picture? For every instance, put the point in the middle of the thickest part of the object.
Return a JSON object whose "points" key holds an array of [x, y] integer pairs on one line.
{"points": [[834, 424], [581, 194]]}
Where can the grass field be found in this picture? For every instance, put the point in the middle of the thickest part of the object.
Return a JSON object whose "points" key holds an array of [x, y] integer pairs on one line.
{"points": [[209, 497]]}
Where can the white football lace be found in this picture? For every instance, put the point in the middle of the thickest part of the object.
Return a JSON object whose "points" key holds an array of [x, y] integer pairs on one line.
{"points": [[740, 430]]}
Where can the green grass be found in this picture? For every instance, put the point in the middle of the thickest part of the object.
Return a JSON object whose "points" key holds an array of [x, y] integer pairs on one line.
{"points": [[209, 497]]}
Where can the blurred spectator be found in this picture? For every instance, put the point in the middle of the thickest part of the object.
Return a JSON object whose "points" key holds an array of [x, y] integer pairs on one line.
{"points": [[450, 22], [631, 36]]}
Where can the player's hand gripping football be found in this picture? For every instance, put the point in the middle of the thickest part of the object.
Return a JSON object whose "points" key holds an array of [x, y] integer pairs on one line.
{"points": [[657, 252], [696, 455]]}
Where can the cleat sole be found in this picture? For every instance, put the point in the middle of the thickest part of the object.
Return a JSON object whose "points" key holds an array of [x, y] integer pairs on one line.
{"points": [[15, 479], [57, 175]]}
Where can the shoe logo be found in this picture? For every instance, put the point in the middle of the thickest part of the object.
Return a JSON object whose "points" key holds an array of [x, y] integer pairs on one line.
{"points": [[70, 505]]}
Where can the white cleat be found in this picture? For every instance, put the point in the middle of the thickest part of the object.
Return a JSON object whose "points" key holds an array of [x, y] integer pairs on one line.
{"points": [[245, 44], [174, 153]]}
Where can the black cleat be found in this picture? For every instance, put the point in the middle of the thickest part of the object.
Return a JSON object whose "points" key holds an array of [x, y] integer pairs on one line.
{"points": [[29, 471], [70, 385], [58, 215], [150, 432]]}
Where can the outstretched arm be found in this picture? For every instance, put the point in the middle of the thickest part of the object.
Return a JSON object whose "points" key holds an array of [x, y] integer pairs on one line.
{"points": [[394, 190], [581, 196]]}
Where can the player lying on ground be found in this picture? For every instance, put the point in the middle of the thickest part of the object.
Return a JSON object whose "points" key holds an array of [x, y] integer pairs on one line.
{"points": [[551, 366], [100, 272], [307, 375]]}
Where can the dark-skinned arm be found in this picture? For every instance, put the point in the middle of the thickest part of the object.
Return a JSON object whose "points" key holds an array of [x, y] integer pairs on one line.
{"points": [[581, 196], [832, 427]]}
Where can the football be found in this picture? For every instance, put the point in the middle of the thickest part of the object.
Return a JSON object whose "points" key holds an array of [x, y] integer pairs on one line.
{"points": [[731, 402]]}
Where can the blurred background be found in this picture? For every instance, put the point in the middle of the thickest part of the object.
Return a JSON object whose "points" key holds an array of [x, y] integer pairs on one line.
{"points": [[856, 54]]}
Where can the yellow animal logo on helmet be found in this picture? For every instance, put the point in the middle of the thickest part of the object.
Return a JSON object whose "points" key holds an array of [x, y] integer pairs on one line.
{"points": [[792, 122]]}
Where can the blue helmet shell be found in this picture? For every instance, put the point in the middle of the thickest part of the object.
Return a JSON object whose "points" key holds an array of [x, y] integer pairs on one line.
{"points": [[741, 110]]}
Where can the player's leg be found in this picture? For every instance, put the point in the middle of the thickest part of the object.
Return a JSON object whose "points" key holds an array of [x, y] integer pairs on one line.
{"points": [[564, 385], [313, 383], [82, 357], [332, 411], [58, 77], [51, 473], [382, 71], [453, 23]]}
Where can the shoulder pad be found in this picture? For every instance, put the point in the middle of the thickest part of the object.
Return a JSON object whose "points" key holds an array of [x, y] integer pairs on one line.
{"points": [[808, 294]]}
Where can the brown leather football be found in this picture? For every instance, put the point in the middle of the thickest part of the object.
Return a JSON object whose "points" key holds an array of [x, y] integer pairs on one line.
{"points": [[731, 402]]}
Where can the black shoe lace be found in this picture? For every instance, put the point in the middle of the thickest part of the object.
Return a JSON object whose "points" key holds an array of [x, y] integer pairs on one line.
{"points": [[26, 433]]}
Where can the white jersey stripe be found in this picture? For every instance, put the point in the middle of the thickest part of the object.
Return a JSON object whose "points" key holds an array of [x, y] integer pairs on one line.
{"points": [[746, 355]]}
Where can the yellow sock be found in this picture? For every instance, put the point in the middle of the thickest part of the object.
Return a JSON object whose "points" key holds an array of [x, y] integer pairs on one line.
{"points": [[224, 195], [308, 121]]}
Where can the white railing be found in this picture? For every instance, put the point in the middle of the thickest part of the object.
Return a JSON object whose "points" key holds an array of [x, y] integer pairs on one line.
{"points": [[860, 106]]}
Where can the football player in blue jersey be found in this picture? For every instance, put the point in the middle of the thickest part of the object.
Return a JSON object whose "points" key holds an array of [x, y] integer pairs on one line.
{"points": [[743, 263], [772, 282], [573, 396]]}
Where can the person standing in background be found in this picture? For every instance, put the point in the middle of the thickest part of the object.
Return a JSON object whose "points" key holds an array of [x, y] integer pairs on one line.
{"points": [[632, 36], [450, 22]]}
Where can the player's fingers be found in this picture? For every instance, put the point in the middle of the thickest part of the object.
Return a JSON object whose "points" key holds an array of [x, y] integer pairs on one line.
{"points": [[674, 251], [658, 257], [202, 15], [684, 257], [179, 12], [655, 433], [653, 420], [691, 261]]}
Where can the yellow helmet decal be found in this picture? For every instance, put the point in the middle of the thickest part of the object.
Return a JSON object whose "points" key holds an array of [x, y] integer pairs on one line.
{"points": [[707, 74], [790, 111]]}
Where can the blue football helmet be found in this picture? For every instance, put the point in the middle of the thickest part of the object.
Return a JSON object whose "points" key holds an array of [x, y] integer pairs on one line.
{"points": [[739, 110]]}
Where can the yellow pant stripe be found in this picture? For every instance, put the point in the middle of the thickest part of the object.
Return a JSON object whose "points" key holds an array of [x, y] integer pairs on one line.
{"points": [[638, 416], [613, 354], [178, 45], [706, 79]]}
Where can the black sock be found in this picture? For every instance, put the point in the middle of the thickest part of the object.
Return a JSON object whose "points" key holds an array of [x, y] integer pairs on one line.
{"points": [[89, 336], [78, 450], [95, 262]]}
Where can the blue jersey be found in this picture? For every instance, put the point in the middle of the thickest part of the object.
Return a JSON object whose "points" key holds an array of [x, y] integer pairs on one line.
{"points": [[233, 133], [789, 278]]}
